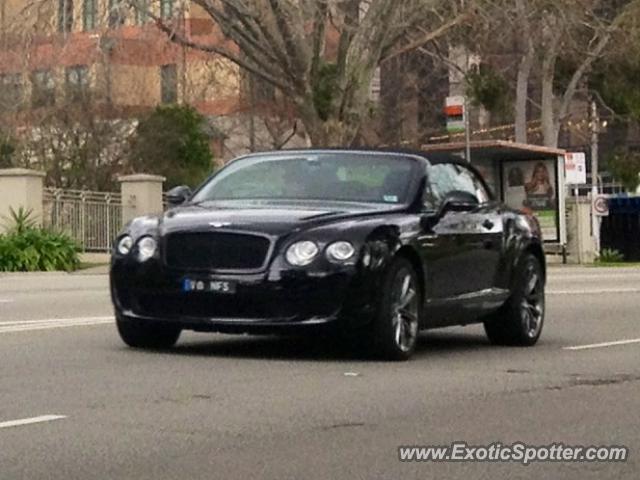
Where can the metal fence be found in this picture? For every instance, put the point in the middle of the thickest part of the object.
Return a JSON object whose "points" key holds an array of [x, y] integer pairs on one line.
{"points": [[607, 188], [93, 219]]}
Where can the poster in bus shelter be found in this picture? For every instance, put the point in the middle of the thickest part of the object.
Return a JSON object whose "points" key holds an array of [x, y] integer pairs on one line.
{"points": [[533, 186]]}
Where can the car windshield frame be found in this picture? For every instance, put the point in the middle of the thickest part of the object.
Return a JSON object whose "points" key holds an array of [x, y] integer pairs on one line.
{"points": [[411, 169]]}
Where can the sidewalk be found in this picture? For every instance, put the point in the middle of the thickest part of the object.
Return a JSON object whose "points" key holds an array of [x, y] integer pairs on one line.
{"points": [[97, 270]]}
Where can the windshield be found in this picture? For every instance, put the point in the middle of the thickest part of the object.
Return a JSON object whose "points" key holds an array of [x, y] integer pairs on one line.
{"points": [[350, 177]]}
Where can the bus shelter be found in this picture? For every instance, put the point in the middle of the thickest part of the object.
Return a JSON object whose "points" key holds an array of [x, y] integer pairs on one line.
{"points": [[522, 176]]}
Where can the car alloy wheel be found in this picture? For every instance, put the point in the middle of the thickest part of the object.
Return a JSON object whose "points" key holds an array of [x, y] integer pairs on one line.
{"points": [[520, 320], [405, 310], [532, 304]]}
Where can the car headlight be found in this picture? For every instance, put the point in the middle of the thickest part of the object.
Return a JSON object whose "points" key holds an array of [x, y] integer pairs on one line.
{"points": [[302, 253], [340, 252], [146, 248], [124, 245]]}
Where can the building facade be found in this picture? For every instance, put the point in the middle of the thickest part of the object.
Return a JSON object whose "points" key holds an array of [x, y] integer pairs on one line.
{"points": [[55, 53]]}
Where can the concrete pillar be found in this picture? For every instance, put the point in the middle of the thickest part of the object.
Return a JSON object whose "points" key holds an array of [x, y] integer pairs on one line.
{"points": [[580, 245], [20, 187], [141, 195]]}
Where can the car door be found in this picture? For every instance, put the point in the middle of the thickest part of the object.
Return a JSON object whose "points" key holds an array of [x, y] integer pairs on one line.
{"points": [[484, 231], [461, 249]]}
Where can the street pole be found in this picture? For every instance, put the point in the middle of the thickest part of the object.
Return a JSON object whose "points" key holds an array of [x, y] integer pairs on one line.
{"points": [[467, 120], [252, 119], [467, 129], [595, 219]]}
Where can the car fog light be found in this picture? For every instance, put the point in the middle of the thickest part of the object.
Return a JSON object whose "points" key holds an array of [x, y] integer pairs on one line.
{"points": [[146, 248], [302, 253], [124, 245], [340, 252]]}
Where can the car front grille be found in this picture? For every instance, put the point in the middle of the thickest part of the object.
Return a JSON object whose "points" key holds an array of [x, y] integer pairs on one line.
{"points": [[216, 251], [198, 305]]}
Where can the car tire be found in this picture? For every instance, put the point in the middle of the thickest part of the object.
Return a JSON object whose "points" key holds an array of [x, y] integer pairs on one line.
{"points": [[139, 334], [396, 326], [520, 320]]}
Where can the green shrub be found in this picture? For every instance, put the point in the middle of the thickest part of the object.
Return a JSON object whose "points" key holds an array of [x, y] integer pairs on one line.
{"points": [[608, 255], [28, 248], [20, 221], [172, 141]]}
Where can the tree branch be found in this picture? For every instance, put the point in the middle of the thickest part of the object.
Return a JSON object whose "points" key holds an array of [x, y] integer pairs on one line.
{"points": [[225, 53], [428, 37]]}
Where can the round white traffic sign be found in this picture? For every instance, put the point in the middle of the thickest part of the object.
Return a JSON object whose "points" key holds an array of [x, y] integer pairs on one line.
{"points": [[601, 206]]}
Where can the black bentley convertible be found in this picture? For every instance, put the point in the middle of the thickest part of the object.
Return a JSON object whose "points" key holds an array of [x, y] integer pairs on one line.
{"points": [[374, 244]]}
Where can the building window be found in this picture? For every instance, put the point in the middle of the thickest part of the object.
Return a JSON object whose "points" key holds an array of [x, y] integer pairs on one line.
{"points": [[115, 14], [166, 8], [11, 91], [43, 89], [65, 16], [142, 12], [89, 12], [77, 83], [168, 84]]}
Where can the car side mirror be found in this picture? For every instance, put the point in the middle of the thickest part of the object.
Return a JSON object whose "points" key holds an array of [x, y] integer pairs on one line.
{"points": [[458, 201], [178, 195]]}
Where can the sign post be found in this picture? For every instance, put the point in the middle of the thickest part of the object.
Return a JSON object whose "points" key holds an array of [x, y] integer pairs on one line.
{"points": [[595, 218]]}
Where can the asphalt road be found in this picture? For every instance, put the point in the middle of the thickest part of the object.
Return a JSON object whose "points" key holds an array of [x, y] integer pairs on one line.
{"points": [[224, 407]]}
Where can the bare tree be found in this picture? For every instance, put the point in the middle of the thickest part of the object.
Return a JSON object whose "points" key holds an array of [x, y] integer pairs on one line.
{"points": [[77, 147], [81, 141], [320, 54], [585, 35], [563, 39], [527, 56]]}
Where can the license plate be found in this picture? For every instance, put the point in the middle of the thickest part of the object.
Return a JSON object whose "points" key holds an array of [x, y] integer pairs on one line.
{"points": [[205, 285]]}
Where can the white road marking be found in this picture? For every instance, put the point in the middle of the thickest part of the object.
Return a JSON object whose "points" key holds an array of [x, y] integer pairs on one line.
{"points": [[54, 320], [6, 300], [49, 327], [593, 291], [31, 421], [30, 325], [593, 276], [603, 344]]}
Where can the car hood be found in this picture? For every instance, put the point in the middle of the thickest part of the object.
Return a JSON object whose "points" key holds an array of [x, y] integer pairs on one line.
{"points": [[268, 219]]}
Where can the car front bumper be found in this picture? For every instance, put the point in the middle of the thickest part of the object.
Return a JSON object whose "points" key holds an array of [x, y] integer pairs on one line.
{"points": [[271, 301]]}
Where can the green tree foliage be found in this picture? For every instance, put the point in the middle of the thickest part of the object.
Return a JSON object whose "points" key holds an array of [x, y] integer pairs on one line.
{"points": [[625, 167], [324, 89], [488, 88], [617, 82], [172, 142]]}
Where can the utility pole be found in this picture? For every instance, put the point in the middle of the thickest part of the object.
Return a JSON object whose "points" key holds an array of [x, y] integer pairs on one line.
{"points": [[595, 131], [252, 113], [183, 13], [467, 129], [467, 117]]}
